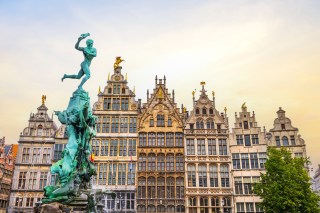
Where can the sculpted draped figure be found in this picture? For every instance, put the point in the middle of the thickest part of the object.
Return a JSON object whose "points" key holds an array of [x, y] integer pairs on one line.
{"points": [[89, 53]]}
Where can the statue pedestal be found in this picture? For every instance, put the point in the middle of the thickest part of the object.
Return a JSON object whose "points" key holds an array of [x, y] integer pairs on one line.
{"points": [[77, 206]]}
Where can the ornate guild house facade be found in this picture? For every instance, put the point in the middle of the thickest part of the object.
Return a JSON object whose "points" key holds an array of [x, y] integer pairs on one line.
{"points": [[207, 161], [160, 174], [248, 150], [114, 146], [34, 158]]}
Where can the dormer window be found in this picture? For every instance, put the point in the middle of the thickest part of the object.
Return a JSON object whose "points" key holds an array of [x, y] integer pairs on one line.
{"points": [[160, 120], [169, 122], [204, 111], [197, 111], [283, 126], [211, 111], [109, 90], [39, 130], [285, 141], [123, 91], [151, 122], [245, 125], [200, 124]]}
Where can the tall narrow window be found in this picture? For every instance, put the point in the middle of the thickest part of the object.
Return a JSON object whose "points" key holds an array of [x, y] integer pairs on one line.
{"points": [[151, 187], [212, 150], [239, 139], [107, 103], [105, 124], [160, 162], [46, 156], [285, 141], [133, 125], [160, 139], [131, 173], [247, 141], [223, 147], [25, 155], [245, 161], [238, 185], [142, 188], [122, 174], [247, 185], [224, 173], [170, 163], [123, 147], [283, 126], [58, 148], [200, 124], [191, 175], [36, 155], [278, 141], [169, 139], [262, 159], [213, 170], [210, 124], [254, 160], [151, 139], [169, 122], [160, 120], [160, 188], [151, 162], [179, 162], [142, 139], [124, 124], [104, 147], [179, 139], [190, 146], [102, 173], [255, 139], [98, 124], [201, 147], [39, 130], [202, 175], [115, 124], [204, 111], [142, 162], [245, 125], [43, 180], [124, 104], [132, 147], [197, 111], [151, 122], [116, 89], [32, 180], [170, 187], [114, 147], [293, 141], [236, 161], [116, 104], [22, 180], [180, 188]]}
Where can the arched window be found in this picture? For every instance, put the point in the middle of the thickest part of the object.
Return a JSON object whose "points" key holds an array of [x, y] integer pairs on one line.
{"points": [[151, 139], [141, 208], [215, 204], [142, 162], [160, 188], [151, 162], [211, 111], [180, 188], [170, 208], [170, 187], [39, 130], [161, 208], [142, 187], [210, 124], [197, 111], [204, 111], [203, 201], [227, 204], [199, 124], [224, 174], [151, 187], [179, 162], [181, 208], [202, 175], [191, 175], [170, 163], [193, 203], [213, 170], [151, 208], [160, 163], [285, 141]]}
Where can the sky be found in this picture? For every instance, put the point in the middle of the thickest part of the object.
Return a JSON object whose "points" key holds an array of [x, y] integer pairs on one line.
{"points": [[264, 53]]}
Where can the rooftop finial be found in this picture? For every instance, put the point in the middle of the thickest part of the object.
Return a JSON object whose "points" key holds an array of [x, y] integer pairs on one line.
{"points": [[126, 76], [244, 105], [109, 76], [44, 98], [225, 110], [213, 93], [99, 90], [118, 61]]}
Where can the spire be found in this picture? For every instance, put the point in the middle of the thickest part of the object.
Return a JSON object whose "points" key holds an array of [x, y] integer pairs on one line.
{"points": [[99, 90], [126, 76], [109, 76], [156, 79], [213, 99], [193, 99]]}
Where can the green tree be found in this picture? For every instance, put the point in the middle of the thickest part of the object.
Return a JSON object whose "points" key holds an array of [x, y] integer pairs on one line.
{"points": [[286, 186]]}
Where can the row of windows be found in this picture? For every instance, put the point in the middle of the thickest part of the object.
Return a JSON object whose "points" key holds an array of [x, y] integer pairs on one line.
{"points": [[123, 201], [161, 187], [116, 89], [32, 180], [116, 124], [160, 208], [208, 177], [247, 141], [244, 185], [116, 103], [205, 204], [58, 148], [168, 139], [114, 147], [285, 141], [207, 146], [160, 121], [4, 203], [26, 201], [209, 124], [249, 208], [36, 155], [204, 111], [254, 160], [115, 174], [161, 163]]}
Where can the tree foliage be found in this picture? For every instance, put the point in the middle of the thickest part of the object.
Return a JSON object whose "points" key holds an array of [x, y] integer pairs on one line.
{"points": [[286, 186]]}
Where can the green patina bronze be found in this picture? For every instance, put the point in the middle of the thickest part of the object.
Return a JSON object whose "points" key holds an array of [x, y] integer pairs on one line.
{"points": [[75, 168]]}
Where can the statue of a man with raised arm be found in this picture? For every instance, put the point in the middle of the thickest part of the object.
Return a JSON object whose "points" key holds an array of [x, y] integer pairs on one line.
{"points": [[89, 53]]}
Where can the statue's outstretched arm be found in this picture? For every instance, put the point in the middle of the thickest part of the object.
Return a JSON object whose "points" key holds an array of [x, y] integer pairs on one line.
{"points": [[77, 44]]}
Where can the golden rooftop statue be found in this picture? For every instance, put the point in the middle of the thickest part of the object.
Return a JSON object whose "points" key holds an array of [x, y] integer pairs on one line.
{"points": [[213, 93], [193, 92], [244, 105], [118, 61], [202, 83], [44, 98], [99, 90], [184, 109], [225, 110]]}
